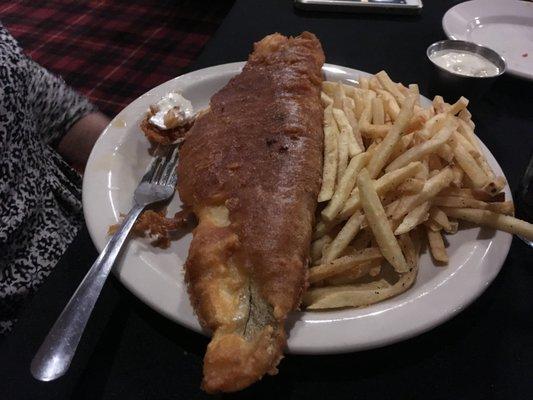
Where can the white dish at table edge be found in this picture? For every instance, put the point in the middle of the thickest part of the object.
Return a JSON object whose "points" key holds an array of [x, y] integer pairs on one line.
{"points": [[504, 26], [119, 159]]}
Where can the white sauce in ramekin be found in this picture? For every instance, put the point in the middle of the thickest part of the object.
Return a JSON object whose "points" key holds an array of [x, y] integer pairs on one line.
{"points": [[464, 63]]}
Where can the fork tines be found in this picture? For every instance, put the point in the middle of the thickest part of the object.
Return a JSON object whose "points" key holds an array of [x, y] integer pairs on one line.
{"points": [[162, 168]]}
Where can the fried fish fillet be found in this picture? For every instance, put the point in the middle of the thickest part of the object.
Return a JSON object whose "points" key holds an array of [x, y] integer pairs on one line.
{"points": [[250, 168]]}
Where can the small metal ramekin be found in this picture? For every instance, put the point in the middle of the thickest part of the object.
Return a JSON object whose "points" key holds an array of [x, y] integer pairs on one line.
{"points": [[452, 85]]}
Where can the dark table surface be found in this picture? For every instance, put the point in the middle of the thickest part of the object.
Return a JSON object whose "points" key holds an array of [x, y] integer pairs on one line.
{"points": [[486, 352]]}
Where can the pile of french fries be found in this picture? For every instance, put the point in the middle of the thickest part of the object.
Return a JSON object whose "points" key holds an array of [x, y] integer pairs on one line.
{"points": [[395, 174]]}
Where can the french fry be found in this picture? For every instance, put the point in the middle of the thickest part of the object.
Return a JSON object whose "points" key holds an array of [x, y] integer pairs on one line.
{"points": [[366, 115], [439, 105], [458, 106], [432, 126], [344, 188], [345, 129], [422, 134], [402, 145], [446, 153], [378, 112], [486, 167], [391, 207], [469, 165], [374, 84], [433, 226], [326, 100], [453, 228], [318, 245], [408, 248], [419, 151], [439, 217], [344, 237], [424, 170], [422, 112], [459, 202], [416, 123], [467, 145], [495, 186], [404, 90], [430, 112], [465, 115], [342, 149], [338, 95], [331, 157], [363, 82], [372, 148], [431, 188], [504, 207], [459, 192], [414, 218], [436, 245], [411, 185], [342, 264], [352, 275], [372, 131], [359, 102], [324, 251], [390, 104], [348, 107], [467, 131], [380, 158], [357, 295], [348, 104], [458, 175], [389, 85], [379, 224], [413, 88], [329, 88], [493, 220], [484, 196], [387, 182]]}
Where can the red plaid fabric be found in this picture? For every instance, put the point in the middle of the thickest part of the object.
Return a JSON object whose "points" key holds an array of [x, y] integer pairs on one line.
{"points": [[113, 51]]}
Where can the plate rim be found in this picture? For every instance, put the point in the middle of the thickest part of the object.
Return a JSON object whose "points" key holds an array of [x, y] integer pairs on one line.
{"points": [[447, 16], [326, 348]]}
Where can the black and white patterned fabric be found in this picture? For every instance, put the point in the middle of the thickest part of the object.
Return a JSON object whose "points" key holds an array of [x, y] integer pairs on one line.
{"points": [[40, 195]]}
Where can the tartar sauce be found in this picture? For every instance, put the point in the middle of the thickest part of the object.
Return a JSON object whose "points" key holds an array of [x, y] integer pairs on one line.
{"points": [[171, 111], [464, 63]]}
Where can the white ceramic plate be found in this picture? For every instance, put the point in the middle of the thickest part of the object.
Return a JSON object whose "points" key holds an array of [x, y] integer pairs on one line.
{"points": [[505, 26], [119, 159]]}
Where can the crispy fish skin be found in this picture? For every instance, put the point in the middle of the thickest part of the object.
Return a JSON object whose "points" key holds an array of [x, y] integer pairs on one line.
{"points": [[251, 168]]}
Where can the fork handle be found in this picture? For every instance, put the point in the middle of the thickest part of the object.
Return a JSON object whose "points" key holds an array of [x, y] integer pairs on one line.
{"points": [[55, 354]]}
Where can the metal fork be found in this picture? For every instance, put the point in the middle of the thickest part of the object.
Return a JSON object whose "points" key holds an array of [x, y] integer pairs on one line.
{"points": [[53, 358]]}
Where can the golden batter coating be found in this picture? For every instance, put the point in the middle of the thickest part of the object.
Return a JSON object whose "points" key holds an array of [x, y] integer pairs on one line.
{"points": [[165, 137], [250, 168]]}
